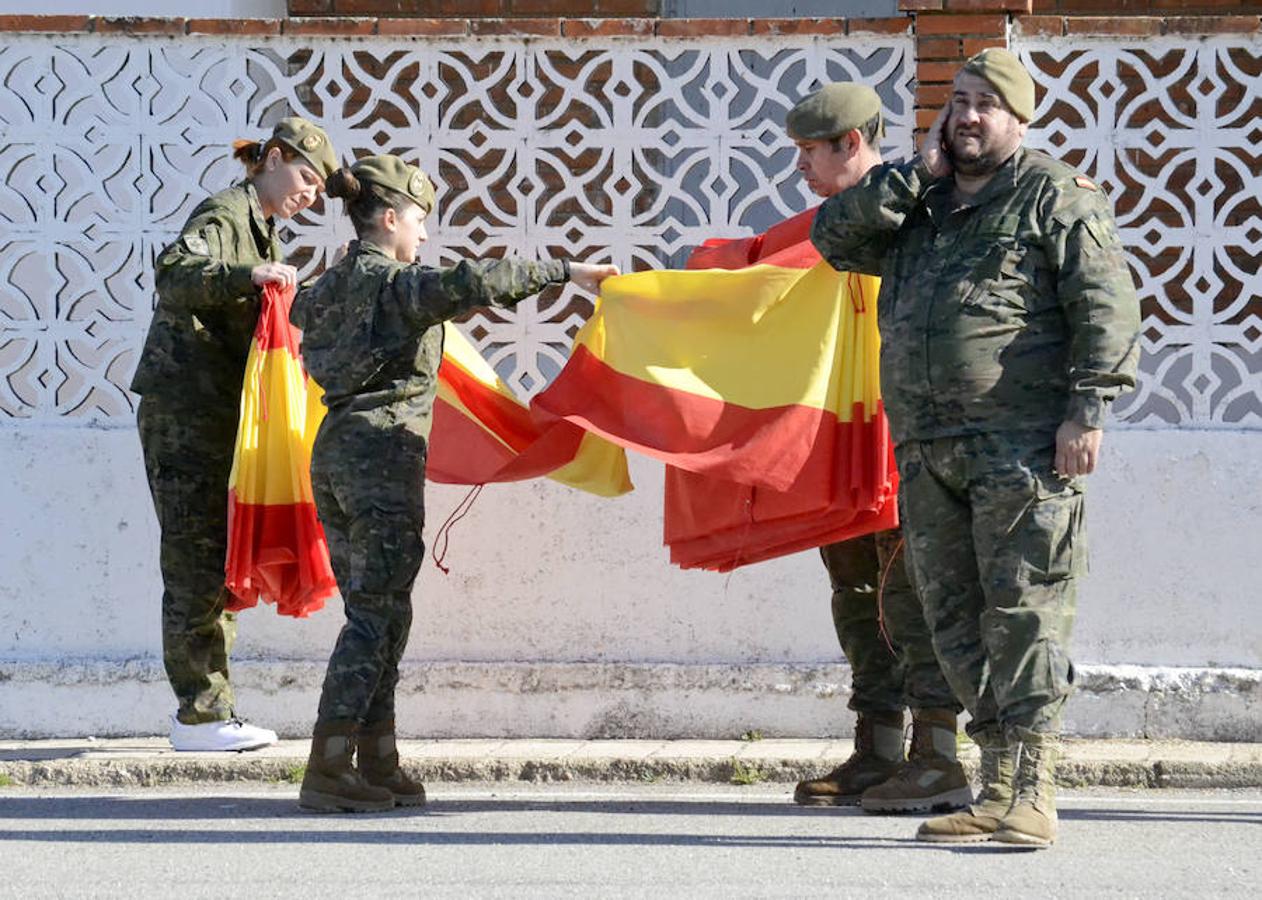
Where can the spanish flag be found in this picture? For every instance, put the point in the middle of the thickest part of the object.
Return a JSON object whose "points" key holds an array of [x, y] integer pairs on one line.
{"points": [[276, 547], [482, 433], [753, 375]]}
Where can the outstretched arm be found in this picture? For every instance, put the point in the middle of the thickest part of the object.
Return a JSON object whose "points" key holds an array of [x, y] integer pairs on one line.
{"points": [[429, 296]]}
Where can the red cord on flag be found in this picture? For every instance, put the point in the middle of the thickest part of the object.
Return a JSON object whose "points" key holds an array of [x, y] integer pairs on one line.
{"points": [[444, 531], [857, 300]]}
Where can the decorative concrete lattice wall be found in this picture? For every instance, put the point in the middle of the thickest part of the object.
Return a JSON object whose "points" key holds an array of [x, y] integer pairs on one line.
{"points": [[1172, 129], [631, 148], [632, 151]]}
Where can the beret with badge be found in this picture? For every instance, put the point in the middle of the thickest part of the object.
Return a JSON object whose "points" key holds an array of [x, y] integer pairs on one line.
{"points": [[310, 141], [391, 172]]}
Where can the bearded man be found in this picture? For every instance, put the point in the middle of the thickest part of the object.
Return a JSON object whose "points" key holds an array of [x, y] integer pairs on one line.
{"points": [[1009, 324]]}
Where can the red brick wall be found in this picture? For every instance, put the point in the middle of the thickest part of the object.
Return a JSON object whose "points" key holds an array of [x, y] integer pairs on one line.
{"points": [[1116, 8], [950, 31], [476, 9]]}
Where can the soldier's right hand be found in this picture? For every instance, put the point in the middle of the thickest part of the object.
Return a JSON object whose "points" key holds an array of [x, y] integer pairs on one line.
{"points": [[589, 276], [274, 273], [932, 145]]}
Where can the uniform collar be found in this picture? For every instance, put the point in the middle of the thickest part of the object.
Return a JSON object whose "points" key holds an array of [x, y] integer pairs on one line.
{"points": [[266, 227], [939, 197], [1005, 179], [360, 246]]}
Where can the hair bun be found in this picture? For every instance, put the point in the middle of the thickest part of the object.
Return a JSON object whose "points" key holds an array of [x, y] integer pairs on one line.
{"points": [[344, 184]]}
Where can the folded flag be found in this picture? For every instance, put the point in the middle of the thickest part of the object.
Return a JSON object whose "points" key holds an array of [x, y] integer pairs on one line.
{"points": [[276, 547], [755, 379]]}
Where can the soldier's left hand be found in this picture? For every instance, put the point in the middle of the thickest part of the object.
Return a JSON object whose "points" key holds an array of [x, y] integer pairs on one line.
{"points": [[1077, 449]]}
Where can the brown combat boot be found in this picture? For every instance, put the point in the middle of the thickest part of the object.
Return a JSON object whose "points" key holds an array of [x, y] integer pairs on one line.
{"points": [[1032, 819], [932, 779], [331, 783], [378, 760], [878, 752], [981, 820]]}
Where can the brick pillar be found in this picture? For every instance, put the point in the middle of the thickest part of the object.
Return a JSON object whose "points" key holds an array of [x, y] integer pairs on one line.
{"points": [[947, 33]]}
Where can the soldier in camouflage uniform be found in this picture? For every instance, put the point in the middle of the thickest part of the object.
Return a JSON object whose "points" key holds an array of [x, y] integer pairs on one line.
{"points": [[1009, 321], [373, 339], [837, 131], [189, 376]]}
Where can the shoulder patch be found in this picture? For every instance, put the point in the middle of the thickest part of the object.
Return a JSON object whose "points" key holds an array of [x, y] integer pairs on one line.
{"points": [[197, 244], [1086, 183]]}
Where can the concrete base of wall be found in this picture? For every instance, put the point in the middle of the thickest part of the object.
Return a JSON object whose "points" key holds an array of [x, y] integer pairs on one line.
{"points": [[601, 700], [616, 642]]}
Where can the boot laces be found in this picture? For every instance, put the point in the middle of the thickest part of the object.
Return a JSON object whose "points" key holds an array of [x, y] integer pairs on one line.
{"points": [[993, 778], [1030, 783]]}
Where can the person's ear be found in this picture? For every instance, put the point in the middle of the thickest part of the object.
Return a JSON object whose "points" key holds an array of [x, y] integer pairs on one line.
{"points": [[853, 142], [274, 159], [390, 220]]}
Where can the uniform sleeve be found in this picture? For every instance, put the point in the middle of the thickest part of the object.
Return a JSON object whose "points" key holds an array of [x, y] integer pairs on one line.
{"points": [[197, 271], [854, 229], [1097, 294], [428, 296]]}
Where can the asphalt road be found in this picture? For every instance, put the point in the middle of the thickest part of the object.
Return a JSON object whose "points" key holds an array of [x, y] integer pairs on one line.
{"points": [[654, 841]]}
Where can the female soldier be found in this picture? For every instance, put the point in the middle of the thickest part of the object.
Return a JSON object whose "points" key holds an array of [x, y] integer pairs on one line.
{"points": [[372, 338], [190, 377]]}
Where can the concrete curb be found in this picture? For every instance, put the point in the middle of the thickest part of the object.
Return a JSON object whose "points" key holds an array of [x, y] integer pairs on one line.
{"points": [[150, 763]]}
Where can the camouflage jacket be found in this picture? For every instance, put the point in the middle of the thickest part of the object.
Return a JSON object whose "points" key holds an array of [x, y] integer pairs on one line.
{"points": [[372, 334], [1013, 311], [207, 305]]}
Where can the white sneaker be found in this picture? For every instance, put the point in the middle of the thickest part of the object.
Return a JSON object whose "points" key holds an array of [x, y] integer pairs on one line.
{"points": [[230, 734]]}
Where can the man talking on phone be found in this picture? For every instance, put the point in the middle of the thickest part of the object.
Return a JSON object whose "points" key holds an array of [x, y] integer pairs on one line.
{"points": [[1009, 324]]}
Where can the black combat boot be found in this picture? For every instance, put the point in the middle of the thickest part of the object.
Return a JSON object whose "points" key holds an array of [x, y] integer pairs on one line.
{"points": [[379, 764], [878, 752]]}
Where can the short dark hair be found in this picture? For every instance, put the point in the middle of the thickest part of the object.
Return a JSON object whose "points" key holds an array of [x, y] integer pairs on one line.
{"points": [[870, 132]]}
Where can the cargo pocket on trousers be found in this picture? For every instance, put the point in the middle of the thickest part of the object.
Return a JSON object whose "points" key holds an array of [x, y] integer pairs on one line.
{"points": [[386, 553], [1053, 538]]}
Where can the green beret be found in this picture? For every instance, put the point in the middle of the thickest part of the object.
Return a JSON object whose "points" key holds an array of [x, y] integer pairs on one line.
{"points": [[1008, 77], [832, 111], [310, 141], [391, 172]]}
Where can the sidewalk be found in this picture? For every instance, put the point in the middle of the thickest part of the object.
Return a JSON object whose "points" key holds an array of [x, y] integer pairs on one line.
{"points": [[144, 762]]}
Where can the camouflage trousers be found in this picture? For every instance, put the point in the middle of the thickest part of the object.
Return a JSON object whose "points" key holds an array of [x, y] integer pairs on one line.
{"points": [[368, 485], [996, 542], [188, 458], [896, 669]]}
